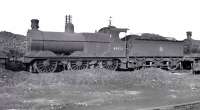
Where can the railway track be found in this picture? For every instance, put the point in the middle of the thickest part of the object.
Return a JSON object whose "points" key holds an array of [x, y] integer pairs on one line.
{"points": [[184, 106]]}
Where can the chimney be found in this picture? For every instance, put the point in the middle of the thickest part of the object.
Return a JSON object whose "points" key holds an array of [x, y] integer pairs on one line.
{"points": [[69, 27], [34, 24], [189, 35]]}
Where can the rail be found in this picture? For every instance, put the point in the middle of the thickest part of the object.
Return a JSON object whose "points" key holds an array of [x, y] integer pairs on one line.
{"points": [[184, 106]]}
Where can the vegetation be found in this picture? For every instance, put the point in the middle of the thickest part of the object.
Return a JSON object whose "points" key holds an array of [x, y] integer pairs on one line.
{"points": [[12, 45]]}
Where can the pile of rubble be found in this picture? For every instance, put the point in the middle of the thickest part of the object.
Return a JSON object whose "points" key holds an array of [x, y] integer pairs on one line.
{"points": [[153, 78], [10, 78]]}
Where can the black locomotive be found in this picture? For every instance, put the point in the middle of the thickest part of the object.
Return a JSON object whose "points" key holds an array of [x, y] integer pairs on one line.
{"points": [[58, 51]]}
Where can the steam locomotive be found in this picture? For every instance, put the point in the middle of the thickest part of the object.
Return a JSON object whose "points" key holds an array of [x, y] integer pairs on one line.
{"points": [[57, 51]]}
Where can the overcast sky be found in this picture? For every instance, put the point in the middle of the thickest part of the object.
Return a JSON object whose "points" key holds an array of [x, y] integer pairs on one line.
{"points": [[170, 18]]}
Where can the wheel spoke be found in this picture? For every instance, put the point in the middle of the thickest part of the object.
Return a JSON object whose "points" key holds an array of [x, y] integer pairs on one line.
{"points": [[173, 65], [110, 64], [79, 65], [45, 66]]}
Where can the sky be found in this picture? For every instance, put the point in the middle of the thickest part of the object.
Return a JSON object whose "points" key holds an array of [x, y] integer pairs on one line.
{"points": [[169, 18]]}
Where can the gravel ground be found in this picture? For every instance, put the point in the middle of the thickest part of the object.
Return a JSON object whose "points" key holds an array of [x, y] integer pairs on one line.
{"points": [[96, 89]]}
